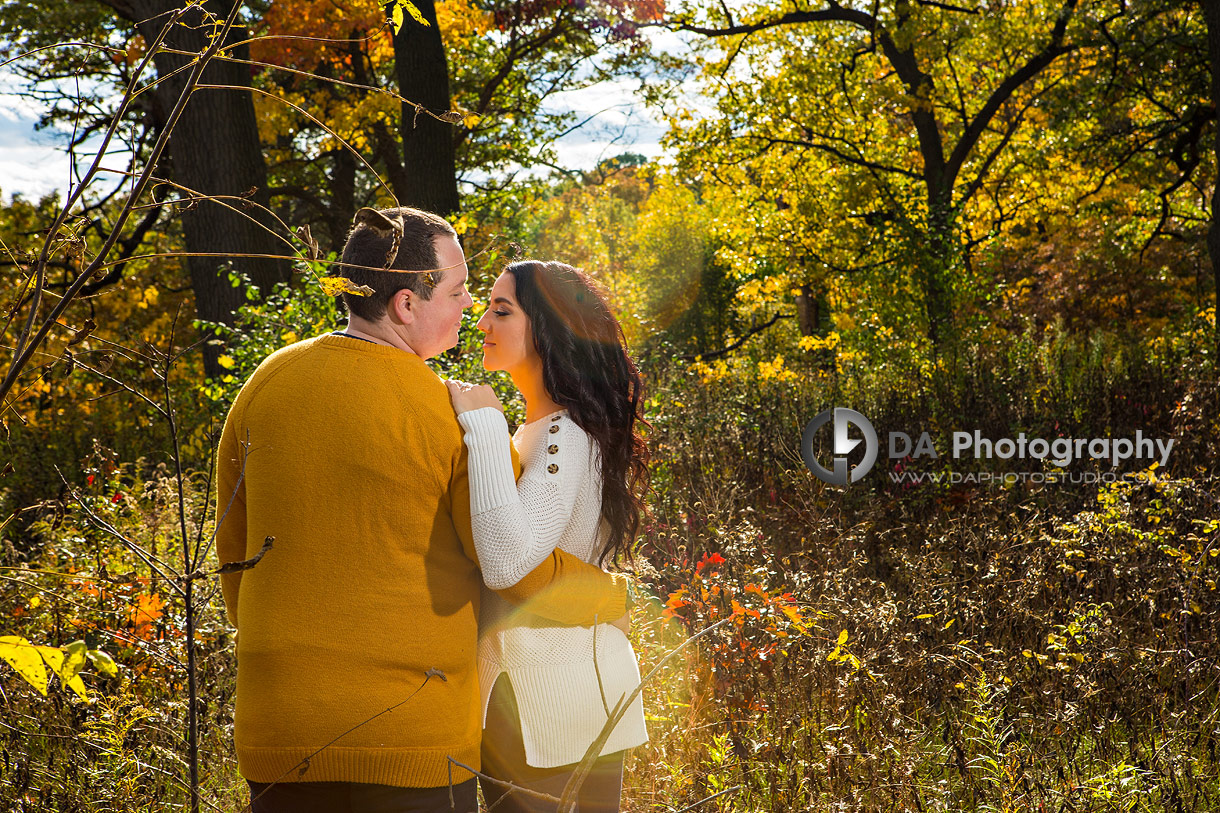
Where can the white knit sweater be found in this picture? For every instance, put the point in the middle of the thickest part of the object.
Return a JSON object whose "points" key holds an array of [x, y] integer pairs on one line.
{"points": [[556, 503]]}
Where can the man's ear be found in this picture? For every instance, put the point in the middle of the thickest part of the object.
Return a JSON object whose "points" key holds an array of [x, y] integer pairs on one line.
{"points": [[402, 304]]}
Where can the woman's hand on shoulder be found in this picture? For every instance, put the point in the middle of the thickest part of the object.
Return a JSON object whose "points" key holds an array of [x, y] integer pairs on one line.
{"points": [[467, 397]]}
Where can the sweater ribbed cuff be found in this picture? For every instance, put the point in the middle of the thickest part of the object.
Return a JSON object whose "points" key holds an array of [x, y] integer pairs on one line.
{"points": [[493, 482], [404, 768]]}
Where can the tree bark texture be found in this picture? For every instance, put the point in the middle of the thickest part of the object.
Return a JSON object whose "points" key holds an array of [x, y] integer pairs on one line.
{"points": [[1211, 13], [214, 150], [429, 165]]}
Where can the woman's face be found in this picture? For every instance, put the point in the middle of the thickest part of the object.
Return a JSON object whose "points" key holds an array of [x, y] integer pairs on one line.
{"points": [[508, 341]]}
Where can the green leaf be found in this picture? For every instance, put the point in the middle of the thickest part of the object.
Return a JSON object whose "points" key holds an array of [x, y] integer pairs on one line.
{"points": [[77, 653], [24, 657], [103, 662]]}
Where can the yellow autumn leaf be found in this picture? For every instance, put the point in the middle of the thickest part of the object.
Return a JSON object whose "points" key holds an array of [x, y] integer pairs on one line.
{"points": [[55, 659], [77, 653], [102, 662], [23, 657], [842, 638], [333, 286], [412, 9], [226, 361], [414, 12]]}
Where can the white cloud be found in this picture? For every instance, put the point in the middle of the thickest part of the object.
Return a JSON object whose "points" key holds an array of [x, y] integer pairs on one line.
{"points": [[33, 164], [32, 171]]}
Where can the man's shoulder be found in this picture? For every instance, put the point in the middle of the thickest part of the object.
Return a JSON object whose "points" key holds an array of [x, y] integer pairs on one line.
{"points": [[285, 356], [269, 369], [288, 352]]}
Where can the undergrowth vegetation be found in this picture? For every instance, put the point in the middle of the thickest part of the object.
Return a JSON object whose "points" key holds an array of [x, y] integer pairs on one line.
{"points": [[891, 645], [945, 647]]}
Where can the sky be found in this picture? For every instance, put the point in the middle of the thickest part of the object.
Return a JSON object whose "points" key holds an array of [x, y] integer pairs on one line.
{"points": [[30, 162], [33, 163]]}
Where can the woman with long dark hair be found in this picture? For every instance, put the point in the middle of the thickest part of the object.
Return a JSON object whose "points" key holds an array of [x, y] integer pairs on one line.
{"points": [[548, 690]]}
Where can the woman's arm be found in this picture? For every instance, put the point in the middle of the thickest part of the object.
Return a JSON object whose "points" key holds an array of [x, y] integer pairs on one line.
{"points": [[516, 525]]}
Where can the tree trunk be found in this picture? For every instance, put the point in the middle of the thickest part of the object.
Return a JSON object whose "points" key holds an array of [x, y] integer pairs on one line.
{"points": [[342, 199], [937, 261], [215, 150], [807, 316], [427, 144], [1211, 13]]}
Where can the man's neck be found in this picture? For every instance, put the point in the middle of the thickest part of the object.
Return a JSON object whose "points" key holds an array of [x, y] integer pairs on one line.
{"points": [[380, 332]]}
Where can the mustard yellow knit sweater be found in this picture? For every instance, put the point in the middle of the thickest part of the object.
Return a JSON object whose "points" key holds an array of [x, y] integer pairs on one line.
{"points": [[349, 455]]}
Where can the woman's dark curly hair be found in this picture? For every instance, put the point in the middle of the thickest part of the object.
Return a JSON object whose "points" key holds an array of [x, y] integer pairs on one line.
{"points": [[586, 369]]}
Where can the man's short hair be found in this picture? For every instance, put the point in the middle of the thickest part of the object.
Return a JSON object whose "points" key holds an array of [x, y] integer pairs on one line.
{"points": [[368, 248]]}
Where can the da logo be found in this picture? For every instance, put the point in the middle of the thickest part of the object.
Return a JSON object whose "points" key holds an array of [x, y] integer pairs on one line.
{"points": [[843, 444]]}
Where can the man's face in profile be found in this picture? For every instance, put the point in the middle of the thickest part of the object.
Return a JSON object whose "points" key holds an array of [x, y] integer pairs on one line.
{"points": [[438, 320]]}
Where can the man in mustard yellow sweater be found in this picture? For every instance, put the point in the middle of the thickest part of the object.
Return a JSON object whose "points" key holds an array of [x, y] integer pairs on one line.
{"points": [[356, 679]]}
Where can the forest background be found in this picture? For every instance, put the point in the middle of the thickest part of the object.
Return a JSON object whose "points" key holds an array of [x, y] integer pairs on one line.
{"points": [[988, 215]]}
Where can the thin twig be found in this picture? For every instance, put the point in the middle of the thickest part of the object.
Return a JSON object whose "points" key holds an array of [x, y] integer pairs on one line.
{"points": [[153, 562], [23, 357], [39, 270], [572, 790], [601, 689], [303, 765], [733, 789], [536, 794]]}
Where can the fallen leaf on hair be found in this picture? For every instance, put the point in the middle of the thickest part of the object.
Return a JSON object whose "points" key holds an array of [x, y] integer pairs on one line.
{"points": [[383, 224], [333, 286]]}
